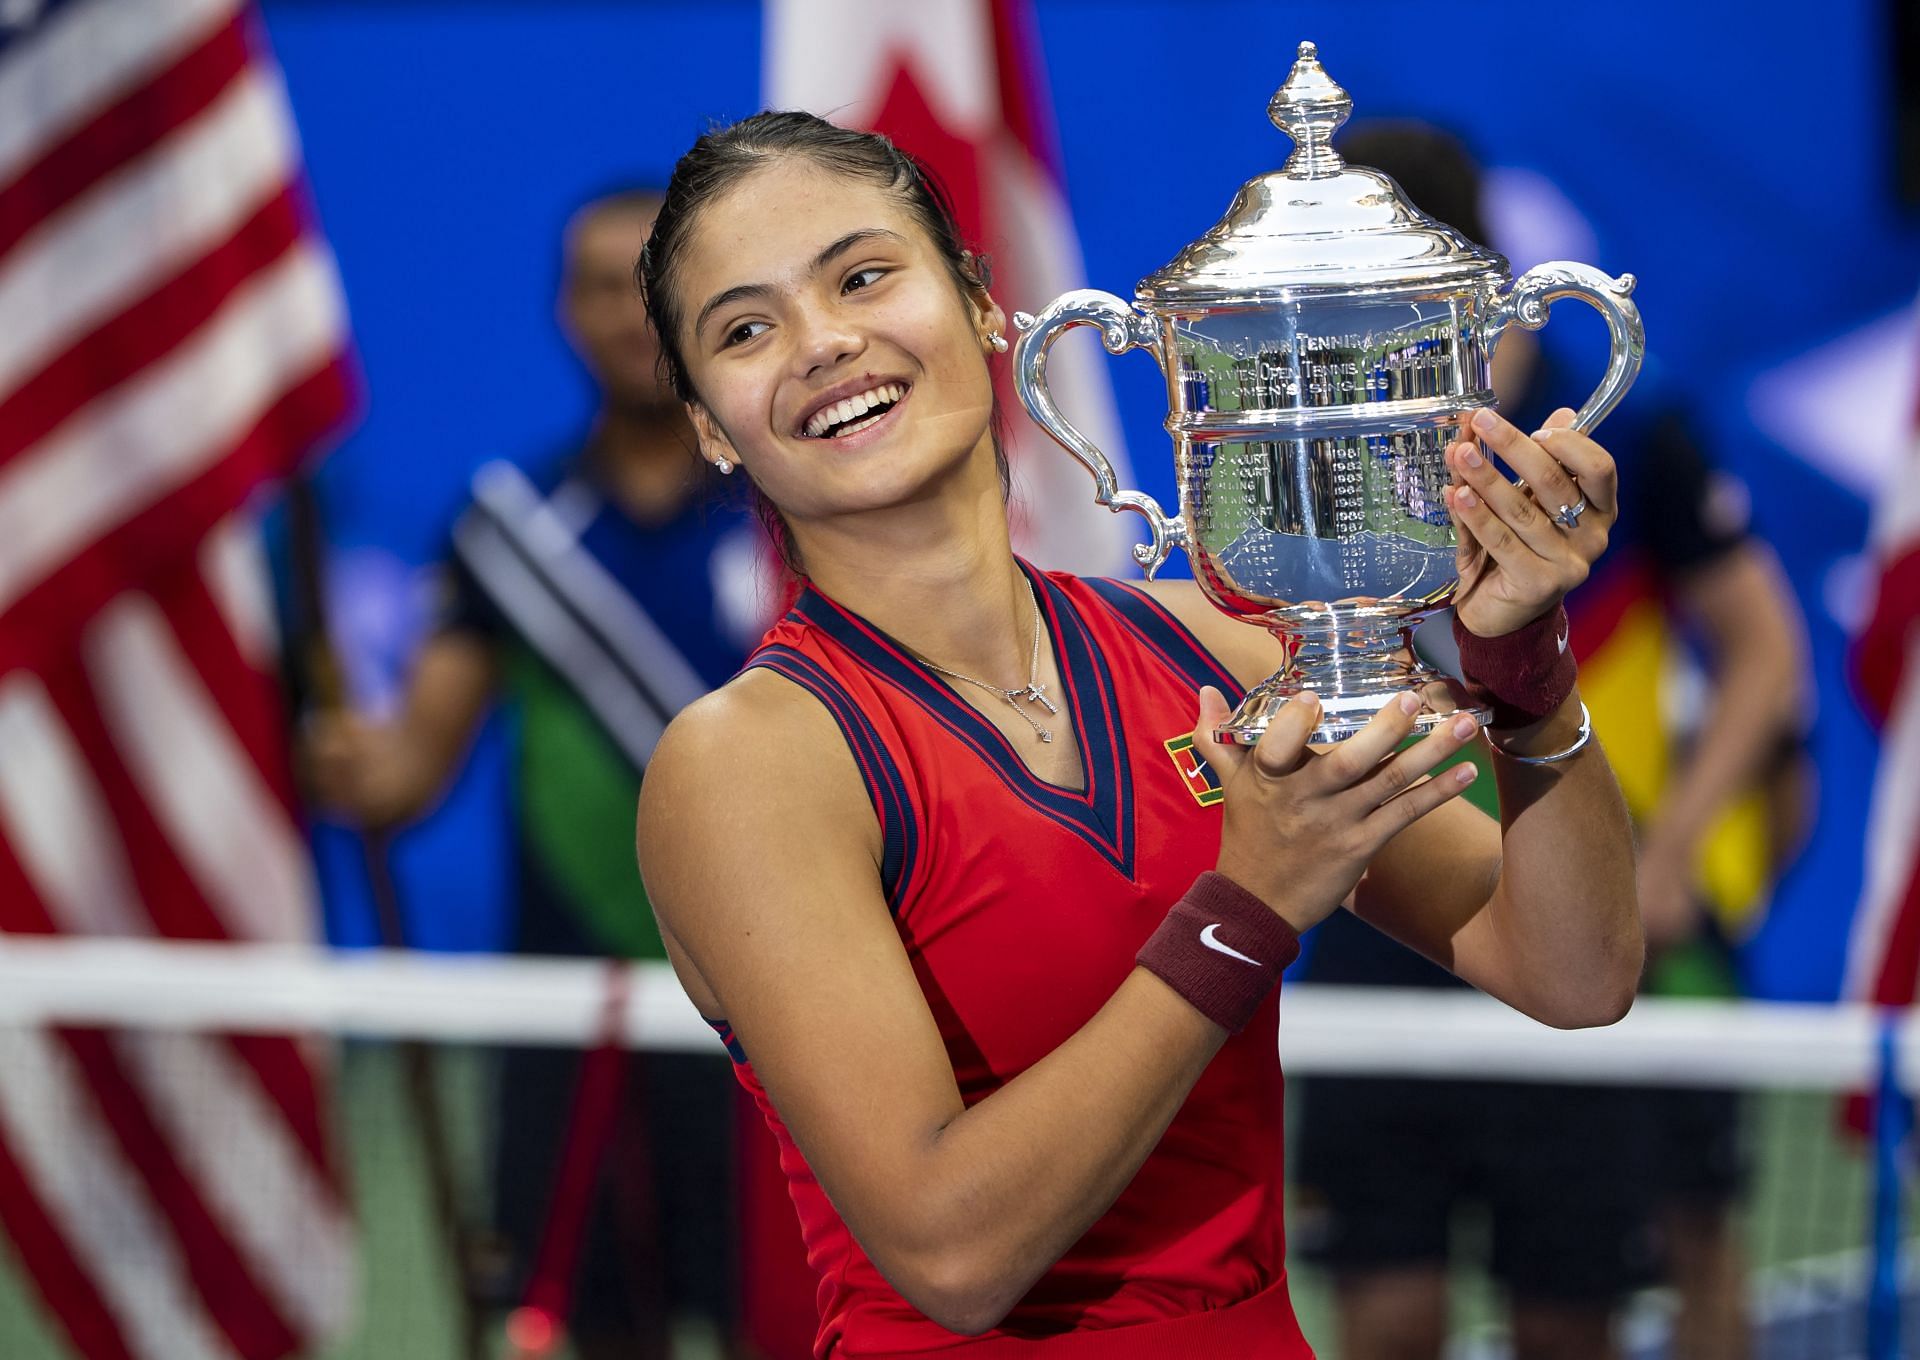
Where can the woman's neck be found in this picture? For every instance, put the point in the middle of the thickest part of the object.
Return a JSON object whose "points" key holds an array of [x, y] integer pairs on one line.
{"points": [[939, 577]]}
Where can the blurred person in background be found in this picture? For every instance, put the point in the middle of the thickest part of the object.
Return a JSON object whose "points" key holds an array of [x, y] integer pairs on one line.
{"points": [[1588, 1192], [598, 596]]}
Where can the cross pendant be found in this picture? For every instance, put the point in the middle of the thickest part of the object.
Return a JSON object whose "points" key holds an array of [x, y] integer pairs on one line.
{"points": [[1034, 694]]}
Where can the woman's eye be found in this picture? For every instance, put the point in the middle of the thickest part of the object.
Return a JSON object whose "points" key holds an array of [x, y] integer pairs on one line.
{"points": [[862, 278], [743, 332]]}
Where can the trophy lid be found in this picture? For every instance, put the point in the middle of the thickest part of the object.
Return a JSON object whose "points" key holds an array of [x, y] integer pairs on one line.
{"points": [[1316, 222]]}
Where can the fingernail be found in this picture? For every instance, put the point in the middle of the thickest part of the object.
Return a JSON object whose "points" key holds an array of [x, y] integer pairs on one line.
{"points": [[1463, 727], [1309, 698], [1409, 704], [1463, 774], [1540, 434], [1465, 498], [1484, 420], [1471, 456]]}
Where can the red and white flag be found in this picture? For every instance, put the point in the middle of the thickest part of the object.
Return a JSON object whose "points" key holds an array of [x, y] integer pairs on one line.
{"points": [[961, 85], [172, 335], [1883, 961]]}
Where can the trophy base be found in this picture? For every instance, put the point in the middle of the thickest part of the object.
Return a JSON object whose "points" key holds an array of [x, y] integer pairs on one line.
{"points": [[1348, 702]]}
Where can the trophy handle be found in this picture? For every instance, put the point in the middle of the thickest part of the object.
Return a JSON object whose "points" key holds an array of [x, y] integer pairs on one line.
{"points": [[1121, 328], [1535, 291]]}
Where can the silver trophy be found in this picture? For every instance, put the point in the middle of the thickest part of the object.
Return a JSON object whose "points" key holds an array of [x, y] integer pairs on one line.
{"points": [[1319, 345]]}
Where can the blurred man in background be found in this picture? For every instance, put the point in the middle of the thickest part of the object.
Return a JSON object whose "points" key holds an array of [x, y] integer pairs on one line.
{"points": [[1588, 1192], [599, 596]]}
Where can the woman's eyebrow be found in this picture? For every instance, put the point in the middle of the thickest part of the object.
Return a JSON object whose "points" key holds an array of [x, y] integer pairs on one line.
{"points": [[741, 291]]}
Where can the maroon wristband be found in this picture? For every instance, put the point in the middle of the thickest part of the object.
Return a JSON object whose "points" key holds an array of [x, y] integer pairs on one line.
{"points": [[1523, 676], [1222, 949]]}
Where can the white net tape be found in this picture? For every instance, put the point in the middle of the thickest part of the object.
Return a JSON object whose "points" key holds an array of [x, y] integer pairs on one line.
{"points": [[562, 1002]]}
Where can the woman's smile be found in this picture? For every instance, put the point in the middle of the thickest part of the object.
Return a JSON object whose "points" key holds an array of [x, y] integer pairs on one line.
{"points": [[854, 408]]}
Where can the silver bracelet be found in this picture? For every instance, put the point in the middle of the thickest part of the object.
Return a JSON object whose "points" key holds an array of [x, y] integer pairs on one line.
{"points": [[1586, 735]]}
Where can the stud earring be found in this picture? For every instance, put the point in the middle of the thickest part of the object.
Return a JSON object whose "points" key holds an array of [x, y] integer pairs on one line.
{"points": [[724, 466], [998, 341]]}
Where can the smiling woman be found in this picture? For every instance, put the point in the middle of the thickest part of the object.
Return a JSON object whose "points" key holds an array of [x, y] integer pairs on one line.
{"points": [[990, 924]]}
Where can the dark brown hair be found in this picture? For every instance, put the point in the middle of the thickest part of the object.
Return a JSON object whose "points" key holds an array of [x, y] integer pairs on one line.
{"points": [[723, 158]]}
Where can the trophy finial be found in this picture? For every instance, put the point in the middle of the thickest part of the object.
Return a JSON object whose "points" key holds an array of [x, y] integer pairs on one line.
{"points": [[1308, 108]]}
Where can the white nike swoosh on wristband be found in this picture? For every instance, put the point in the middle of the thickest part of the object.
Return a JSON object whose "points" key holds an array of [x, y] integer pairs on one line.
{"points": [[1207, 938], [1562, 641]]}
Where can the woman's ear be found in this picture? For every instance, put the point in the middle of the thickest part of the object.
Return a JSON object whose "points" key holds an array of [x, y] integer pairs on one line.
{"points": [[989, 319], [715, 447], [977, 271]]}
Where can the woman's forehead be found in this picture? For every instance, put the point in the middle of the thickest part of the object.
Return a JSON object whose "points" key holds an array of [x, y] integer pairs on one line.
{"points": [[771, 226]]}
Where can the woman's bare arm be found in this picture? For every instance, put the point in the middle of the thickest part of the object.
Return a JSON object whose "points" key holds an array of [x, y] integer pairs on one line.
{"points": [[1541, 912]]}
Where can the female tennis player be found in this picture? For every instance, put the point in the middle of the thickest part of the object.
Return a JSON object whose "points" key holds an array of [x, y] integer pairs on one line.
{"points": [[996, 954]]}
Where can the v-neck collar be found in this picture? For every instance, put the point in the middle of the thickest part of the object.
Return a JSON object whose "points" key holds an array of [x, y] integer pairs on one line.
{"points": [[1101, 813]]}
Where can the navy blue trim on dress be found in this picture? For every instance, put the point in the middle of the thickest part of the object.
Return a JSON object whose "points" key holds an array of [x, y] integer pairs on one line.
{"points": [[725, 1031], [886, 788], [1165, 636], [1101, 814]]}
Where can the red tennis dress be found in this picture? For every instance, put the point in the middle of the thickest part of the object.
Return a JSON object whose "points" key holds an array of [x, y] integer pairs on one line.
{"points": [[1021, 906]]}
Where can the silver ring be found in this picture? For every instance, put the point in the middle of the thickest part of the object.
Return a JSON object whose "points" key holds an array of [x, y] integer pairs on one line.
{"points": [[1569, 515]]}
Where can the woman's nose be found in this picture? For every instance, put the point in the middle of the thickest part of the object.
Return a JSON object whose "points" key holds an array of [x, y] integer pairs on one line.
{"points": [[826, 340]]}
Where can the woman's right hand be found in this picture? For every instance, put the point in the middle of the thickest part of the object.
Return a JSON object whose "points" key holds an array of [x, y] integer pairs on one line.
{"points": [[1302, 825]]}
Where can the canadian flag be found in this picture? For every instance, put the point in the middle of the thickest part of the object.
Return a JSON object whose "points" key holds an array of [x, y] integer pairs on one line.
{"points": [[1883, 963], [960, 84]]}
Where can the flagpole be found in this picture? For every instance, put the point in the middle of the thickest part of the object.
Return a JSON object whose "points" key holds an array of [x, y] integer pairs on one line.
{"points": [[323, 678]]}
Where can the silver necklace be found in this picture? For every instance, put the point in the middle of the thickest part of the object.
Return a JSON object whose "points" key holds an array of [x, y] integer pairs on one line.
{"points": [[1033, 692]]}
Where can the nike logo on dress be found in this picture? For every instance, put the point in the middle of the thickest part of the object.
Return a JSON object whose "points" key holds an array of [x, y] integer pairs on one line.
{"points": [[1207, 938]]}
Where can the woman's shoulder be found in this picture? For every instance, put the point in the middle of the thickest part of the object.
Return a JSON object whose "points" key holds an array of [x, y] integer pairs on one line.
{"points": [[759, 759], [732, 729], [747, 781]]}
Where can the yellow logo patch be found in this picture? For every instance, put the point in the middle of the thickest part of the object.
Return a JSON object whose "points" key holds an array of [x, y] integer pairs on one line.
{"points": [[1195, 773]]}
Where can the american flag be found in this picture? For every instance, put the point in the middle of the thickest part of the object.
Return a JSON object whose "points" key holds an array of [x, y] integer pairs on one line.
{"points": [[1883, 964], [171, 337]]}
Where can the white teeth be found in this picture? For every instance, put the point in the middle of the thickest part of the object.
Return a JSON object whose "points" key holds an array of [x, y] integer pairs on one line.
{"points": [[858, 404], [859, 425]]}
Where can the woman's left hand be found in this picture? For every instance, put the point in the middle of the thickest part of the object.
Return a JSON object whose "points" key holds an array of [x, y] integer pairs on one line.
{"points": [[1516, 560]]}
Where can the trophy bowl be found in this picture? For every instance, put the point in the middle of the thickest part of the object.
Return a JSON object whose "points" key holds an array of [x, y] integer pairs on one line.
{"points": [[1319, 346]]}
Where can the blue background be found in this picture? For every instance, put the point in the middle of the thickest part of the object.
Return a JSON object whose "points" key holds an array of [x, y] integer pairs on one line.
{"points": [[1740, 167]]}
